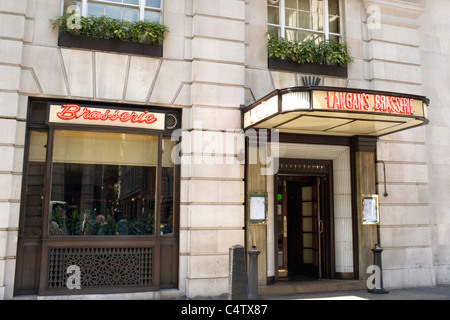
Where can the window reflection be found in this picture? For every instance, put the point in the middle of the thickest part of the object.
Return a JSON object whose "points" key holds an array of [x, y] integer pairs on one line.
{"points": [[94, 199], [35, 183], [167, 188], [105, 184]]}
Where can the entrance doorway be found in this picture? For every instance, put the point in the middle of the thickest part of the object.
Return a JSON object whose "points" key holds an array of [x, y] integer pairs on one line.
{"points": [[304, 226]]}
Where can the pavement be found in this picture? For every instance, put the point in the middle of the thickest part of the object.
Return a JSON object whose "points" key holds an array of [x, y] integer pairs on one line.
{"points": [[440, 292]]}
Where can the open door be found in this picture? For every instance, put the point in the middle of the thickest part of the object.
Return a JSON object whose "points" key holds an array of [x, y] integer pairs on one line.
{"points": [[282, 253], [300, 226], [317, 229]]}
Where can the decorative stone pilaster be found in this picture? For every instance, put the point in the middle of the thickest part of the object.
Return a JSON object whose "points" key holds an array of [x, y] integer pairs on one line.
{"points": [[391, 45], [212, 207], [12, 133]]}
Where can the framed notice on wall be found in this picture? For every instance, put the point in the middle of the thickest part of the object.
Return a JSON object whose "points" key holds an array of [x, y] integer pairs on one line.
{"points": [[371, 213], [258, 208]]}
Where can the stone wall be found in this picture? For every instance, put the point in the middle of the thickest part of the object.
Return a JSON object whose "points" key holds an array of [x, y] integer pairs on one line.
{"points": [[215, 61], [435, 54], [212, 186], [13, 108], [392, 58]]}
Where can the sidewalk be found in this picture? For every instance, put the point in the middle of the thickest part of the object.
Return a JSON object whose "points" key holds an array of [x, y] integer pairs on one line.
{"points": [[421, 293]]}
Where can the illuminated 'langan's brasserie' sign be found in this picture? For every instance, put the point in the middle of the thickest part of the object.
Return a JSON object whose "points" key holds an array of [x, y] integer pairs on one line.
{"points": [[87, 115], [369, 102], [335, 111]]}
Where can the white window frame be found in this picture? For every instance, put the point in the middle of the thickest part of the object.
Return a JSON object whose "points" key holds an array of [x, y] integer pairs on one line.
{"points": [[141, 5], [326, 28]]}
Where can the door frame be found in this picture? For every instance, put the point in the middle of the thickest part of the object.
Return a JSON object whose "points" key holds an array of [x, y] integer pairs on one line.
{"points": [[312, 168]]}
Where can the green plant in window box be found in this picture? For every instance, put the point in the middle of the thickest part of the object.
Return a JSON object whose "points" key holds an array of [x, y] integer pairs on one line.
{"points": [[143, 31], [329, 53]]}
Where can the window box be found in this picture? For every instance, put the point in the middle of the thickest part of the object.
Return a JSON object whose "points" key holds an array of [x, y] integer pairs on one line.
{"points": [[78, 41], [287, 65]]}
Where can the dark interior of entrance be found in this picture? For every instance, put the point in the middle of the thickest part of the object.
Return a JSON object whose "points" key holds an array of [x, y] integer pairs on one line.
{"points": [[303, 226], [301, 211]]}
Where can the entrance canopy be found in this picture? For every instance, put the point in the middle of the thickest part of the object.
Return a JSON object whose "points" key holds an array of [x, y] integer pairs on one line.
{"points": [[336, 111]]}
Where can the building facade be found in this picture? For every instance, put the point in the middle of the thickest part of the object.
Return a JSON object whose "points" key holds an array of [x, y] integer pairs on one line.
{"points": [[142, 168]]}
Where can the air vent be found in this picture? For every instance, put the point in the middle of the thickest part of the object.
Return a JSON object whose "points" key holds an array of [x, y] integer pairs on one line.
{"points": [[171, 121]]}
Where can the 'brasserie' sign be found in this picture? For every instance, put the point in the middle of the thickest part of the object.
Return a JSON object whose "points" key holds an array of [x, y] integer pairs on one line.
{"points": [[86, 115]]}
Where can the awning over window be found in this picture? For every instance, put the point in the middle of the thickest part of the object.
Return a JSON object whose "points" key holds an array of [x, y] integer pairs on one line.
{"points": [[336, 111]]}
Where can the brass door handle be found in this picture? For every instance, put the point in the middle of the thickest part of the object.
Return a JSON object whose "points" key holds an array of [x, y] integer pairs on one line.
{"points": [[285, 227]]}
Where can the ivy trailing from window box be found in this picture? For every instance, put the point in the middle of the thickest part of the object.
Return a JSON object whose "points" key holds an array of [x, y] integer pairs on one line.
{"points": [[327, 53]]}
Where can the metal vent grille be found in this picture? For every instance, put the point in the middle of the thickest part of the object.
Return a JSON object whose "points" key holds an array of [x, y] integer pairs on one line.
{"points": [[171, 121], [102, 267]]}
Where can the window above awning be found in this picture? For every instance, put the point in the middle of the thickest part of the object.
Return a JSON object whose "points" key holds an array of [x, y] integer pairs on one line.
{"points": [[336, 111]]}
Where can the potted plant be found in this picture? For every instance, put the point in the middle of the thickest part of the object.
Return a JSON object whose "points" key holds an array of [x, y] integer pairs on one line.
{"points": [[108, 34], [326, 57]]}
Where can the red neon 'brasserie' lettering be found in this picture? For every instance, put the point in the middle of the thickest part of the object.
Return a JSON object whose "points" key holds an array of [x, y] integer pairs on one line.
{"points": [[73, 111], [362, 101]]}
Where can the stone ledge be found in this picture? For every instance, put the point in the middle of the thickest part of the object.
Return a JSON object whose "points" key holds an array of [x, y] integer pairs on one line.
{"points": [[323, 285]]}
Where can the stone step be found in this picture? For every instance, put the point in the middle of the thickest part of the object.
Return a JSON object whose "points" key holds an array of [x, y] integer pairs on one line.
{"points": [[311, 286]]}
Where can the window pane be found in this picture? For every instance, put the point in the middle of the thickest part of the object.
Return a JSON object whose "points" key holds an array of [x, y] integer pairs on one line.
{"points": [[304, 5], [130, 14], [153, 3], [113, 12], [292, 35], [334, 38], [152, 16], [136, 2], [291, 4], [334, 24], [273, 15], [35, 183], [300, 36], [317, 15], [291, 18], [125, 9], [68, 3], [103, 184], [167, 188], [333, 7], [305, 21], [273, 31], [95, 9]]}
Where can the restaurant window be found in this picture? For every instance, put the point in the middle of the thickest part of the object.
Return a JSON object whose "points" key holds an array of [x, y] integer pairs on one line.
{"points": [[103, 183], [100, 192], [302, 20], [131, 10]]}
